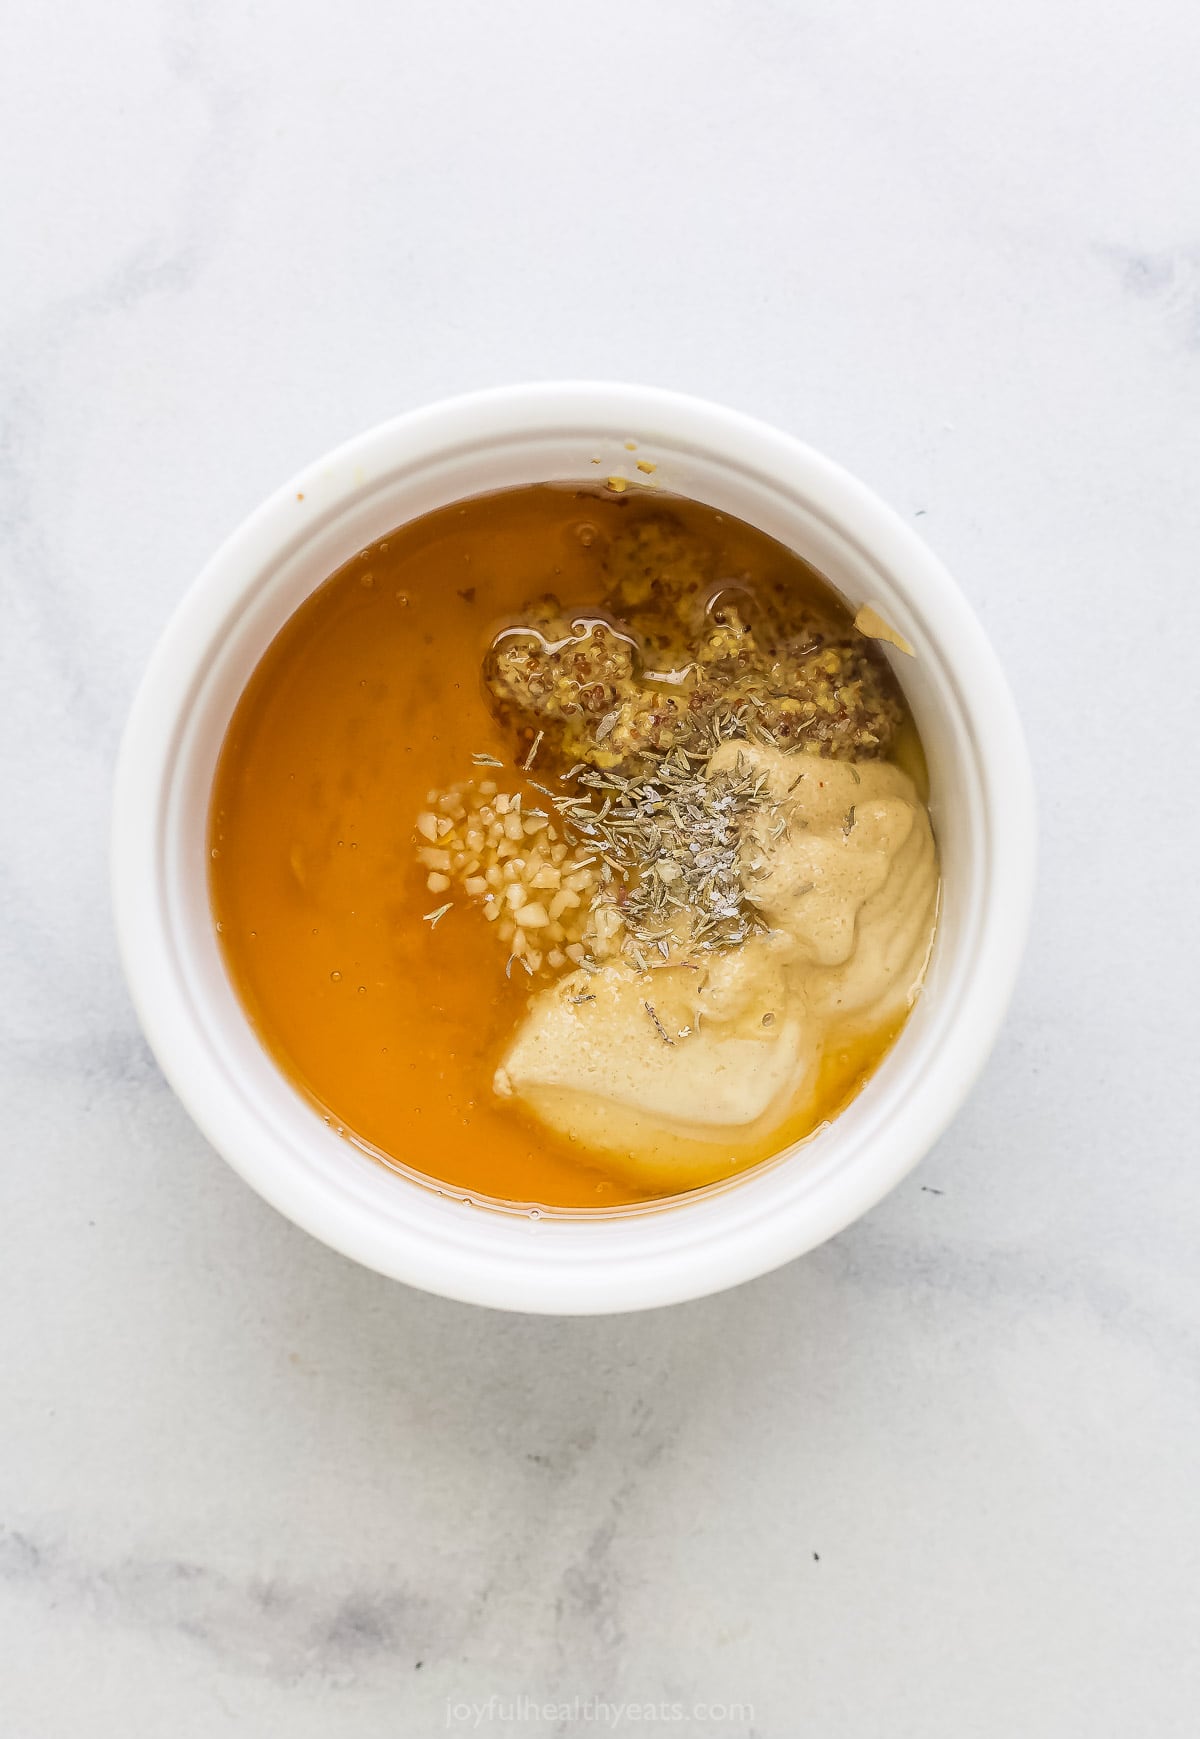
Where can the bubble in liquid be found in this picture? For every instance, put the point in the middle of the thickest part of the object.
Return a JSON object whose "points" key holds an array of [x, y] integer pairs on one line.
{"points": [[215, 852], [336, 977], [362, 990]]}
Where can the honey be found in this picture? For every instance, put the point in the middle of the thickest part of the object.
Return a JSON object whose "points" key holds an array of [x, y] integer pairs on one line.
{"points": [[367, 702]]}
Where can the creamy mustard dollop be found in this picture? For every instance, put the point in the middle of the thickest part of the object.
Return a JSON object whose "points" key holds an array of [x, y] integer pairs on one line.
{"points": [[841, 864]]}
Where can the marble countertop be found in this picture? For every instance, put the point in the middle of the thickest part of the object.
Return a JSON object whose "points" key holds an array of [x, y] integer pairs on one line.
{"points": [[937, 1479]]}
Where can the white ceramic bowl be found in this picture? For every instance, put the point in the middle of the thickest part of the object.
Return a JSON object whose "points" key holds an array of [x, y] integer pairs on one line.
{"points": [[982, 804]]}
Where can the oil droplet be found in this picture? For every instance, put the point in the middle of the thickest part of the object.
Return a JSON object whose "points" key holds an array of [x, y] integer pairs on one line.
{"points": [[336, 977]]}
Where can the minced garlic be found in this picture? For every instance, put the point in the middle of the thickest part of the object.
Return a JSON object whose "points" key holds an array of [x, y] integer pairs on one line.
{"points": [[510, 858]]}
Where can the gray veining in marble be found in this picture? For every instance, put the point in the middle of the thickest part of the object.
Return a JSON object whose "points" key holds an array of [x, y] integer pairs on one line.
{"points": [[937, 1480]]}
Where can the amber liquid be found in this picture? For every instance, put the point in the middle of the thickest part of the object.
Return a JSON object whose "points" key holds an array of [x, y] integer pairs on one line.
{"points": [[367, 701]]}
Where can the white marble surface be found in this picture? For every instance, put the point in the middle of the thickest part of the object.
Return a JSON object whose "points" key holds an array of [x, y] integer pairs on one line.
{"points": [[938, 1479]]}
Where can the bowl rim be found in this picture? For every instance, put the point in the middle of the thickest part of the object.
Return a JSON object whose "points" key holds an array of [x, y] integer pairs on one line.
{"points": [[749, 1245]]}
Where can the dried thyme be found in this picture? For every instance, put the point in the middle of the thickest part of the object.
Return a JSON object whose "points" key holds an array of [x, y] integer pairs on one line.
{"points": [[671, 838], [659, 1028]]}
